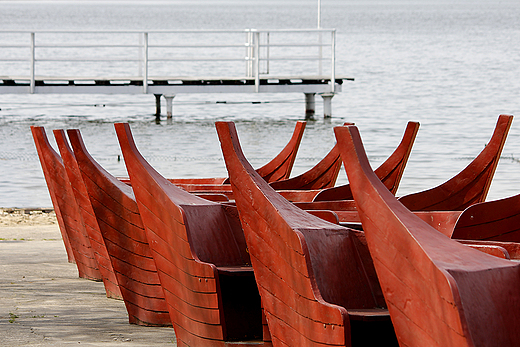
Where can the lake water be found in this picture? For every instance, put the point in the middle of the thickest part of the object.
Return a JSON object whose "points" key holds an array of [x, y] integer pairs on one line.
{"points": [[454, 66]]}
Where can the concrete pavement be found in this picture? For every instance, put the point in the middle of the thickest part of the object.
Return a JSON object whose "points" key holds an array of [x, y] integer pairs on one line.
{"points": [[43, 302]]}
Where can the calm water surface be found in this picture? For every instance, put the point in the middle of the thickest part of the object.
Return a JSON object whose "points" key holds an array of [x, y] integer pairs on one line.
{"points": [[453, 66]]}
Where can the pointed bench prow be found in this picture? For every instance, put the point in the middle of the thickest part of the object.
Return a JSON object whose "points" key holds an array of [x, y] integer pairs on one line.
{"points": [[120, 224], [200, 253], [87, 214], [66, 206], [315, 278], [439, 292]]}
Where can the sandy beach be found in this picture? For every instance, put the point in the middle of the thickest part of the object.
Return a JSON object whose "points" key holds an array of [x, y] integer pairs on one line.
{"points": [[43, 302]]}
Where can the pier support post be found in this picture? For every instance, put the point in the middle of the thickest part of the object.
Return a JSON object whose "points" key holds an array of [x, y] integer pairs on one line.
{"points": [[310, 105], [158, 106], [169, 105], [327, 104]]}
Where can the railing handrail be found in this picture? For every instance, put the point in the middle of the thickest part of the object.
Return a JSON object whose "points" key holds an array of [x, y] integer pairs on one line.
{"points": [[253, 44]]}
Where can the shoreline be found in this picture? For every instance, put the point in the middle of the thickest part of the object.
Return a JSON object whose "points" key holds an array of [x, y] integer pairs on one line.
{"points": [[13, 217]]}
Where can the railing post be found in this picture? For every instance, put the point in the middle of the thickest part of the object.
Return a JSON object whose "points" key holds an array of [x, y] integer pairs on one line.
{"points": [[267, 53], [333, 62], [140, 56], [145, 63], [33, 59], [256, 54], [249, 45]]}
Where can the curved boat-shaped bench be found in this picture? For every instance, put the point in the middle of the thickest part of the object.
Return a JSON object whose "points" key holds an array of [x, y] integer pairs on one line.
{"points": [[390, 172], [316, 279], [87, 214], [65, 203], [468, 187], [201, 257], [439, 292], [120, 224]]}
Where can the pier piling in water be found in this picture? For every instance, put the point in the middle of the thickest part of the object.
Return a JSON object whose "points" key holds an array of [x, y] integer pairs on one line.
{"points": [[157, 106]]}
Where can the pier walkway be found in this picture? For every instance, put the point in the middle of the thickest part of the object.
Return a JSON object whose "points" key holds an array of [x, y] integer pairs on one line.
{"points": [[168, 63]]}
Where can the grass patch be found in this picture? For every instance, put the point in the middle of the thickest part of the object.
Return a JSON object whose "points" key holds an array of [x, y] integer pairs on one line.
{"points": [[12, 317]]}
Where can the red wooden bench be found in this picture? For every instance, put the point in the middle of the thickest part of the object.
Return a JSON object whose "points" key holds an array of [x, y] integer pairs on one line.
{"points": [[115, 209], [439, 292], [201, 257], [87, 215], [316, 279], [65, 205]]}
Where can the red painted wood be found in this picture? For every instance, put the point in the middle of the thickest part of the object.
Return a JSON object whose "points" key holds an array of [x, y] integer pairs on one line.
{"points": [[322, 175], [190, 239], [87, 213], [439, 292], [279, 168], [121, 227], [492, 220], [471, 185], [309, 272], [41, 143], [65, 202], [390, 172]]}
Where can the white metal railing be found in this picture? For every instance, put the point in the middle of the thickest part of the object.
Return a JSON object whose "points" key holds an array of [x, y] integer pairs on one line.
{"points": [[33, 55]]}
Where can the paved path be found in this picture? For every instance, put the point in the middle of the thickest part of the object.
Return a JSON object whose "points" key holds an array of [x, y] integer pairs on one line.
{"points": [[44, 303]]}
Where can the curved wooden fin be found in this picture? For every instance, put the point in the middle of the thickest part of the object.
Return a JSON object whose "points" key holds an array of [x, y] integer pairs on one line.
{"points": [[322, 175], [200, 254], [390, 172], [439, 292], [87, 214], [62, 194], [120, 224], [280, 167], [471, 185], [314, 277]]}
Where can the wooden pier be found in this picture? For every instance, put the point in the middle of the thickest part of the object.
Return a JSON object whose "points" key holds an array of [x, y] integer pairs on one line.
{"points": [[169, 63]]}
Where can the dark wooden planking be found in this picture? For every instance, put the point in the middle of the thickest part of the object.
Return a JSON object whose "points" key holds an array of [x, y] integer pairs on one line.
{"points": [[87, 214], [191, 238], [315, 278], [120, 224], [471, 185], [497, 220], [390, 172], [65, 202], [439, 292]]}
